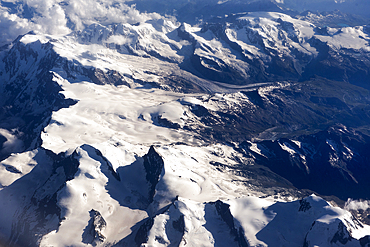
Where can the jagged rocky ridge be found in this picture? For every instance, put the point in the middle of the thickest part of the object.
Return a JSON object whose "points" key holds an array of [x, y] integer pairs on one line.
{"points": [[93, 231]]}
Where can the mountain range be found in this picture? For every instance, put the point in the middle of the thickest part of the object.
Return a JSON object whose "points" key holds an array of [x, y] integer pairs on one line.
{"points": [[184, 123]]}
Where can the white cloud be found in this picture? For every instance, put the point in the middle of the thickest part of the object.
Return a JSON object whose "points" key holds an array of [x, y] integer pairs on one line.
{"points": [[12, 26], [357, 204], [57, 17], [105, 12], [53, 21]]}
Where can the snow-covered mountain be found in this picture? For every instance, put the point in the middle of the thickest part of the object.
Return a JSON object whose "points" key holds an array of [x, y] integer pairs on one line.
{"points": [[120, 128], [196, 10]]}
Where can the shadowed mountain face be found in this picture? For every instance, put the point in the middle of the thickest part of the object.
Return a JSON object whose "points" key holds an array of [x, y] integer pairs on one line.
{"points": [[29, 94], [331, 162]]}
